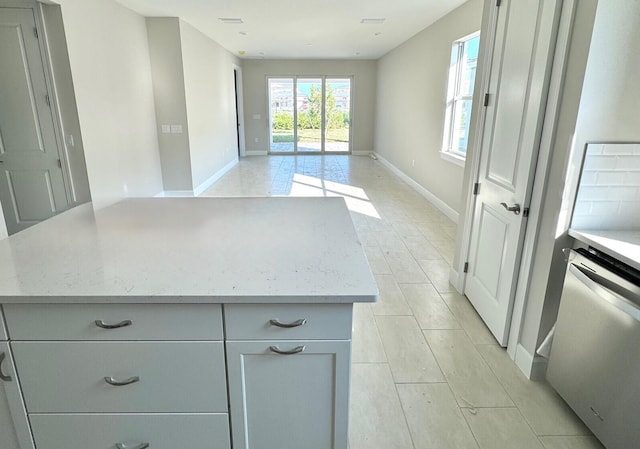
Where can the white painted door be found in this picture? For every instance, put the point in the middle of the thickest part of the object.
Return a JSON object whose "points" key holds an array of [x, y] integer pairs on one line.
{"points": [[14, 425], [31, 181], [520, 69], [289, 401]]}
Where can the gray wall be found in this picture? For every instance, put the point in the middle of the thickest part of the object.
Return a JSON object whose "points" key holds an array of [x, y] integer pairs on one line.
{"points": [[165, 52], [254, 83], [411, 97], [210, 100], [109, 59]]}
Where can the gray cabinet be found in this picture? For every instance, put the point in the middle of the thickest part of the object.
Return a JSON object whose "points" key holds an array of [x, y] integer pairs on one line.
{"points": [[289, 394], [14, 425]]}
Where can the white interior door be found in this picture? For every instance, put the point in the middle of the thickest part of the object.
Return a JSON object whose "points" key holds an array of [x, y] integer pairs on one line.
{"points": [[31, 181], [520, 68]]}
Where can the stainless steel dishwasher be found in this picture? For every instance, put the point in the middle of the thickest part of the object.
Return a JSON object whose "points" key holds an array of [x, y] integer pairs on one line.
{"points": [[595, 358]]}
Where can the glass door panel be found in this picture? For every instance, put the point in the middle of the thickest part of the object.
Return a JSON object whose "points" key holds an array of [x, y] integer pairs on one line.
{"points": [[337, 115], [281, 115], [309, 115]]}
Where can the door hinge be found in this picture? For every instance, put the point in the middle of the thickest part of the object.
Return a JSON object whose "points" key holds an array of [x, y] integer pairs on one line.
{"points": [[35, 31], [476, 188], [466, 267], [47, 100], [59, 163], [498, 3], [486, 100], [525, 212]]}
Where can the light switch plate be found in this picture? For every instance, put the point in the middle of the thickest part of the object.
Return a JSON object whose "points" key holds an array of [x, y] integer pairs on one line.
{"points": [[166, 129], [176, 129]]}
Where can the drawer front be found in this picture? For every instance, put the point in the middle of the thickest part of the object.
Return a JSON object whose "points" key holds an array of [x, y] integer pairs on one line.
{"points": [[3, 331], [69, 377], [321, 321], [131, 321], [102, 431]]}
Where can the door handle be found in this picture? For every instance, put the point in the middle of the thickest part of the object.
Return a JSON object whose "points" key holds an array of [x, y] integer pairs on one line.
{"points": [[3, 377], [515, 208]]}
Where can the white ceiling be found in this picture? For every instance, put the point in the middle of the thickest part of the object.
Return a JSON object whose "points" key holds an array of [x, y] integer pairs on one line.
{"points": [[303, 29]]}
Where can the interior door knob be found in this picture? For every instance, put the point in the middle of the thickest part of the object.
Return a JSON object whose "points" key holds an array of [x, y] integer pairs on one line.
{"points": [[515, 208]]}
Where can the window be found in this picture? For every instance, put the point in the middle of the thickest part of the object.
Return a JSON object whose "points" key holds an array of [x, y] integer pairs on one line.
{"points": [[462, 75]]}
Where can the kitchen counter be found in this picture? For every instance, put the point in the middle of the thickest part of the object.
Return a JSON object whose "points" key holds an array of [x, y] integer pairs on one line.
{"points": [[623, 245], [190, 250]]}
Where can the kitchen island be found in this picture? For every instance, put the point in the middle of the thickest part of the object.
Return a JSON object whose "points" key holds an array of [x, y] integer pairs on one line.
{"points": [[174, 323]]}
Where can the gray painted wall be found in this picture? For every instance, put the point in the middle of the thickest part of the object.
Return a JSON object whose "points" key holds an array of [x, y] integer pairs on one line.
{"points": [[165, 51], [411, 97], [255, 74]]}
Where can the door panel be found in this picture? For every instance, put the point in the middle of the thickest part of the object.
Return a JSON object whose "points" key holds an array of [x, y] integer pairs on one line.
{"points": [[31, 186], [520, 69], [309, 107]]}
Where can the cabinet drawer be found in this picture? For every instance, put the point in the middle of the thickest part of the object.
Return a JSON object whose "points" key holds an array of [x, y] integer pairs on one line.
{"points": [[104, 431], [3, 331], [147, 321], [69, 377], [321, 321]]}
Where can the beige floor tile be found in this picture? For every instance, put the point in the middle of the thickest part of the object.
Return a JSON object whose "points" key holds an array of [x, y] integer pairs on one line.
{"points": [[421, 249], [471, 380], [438, 273], [468, 318], [376, 418], [434, 419], [582, 442], [404, 267], [410, 358], [428, 307], [367, 238], [377, 261], [541, 406], [391, 300], [366, 345], [390, 241], [501, 428]]}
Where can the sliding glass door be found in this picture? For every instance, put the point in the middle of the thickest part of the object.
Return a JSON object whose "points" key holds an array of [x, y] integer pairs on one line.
{"points": [[309, 115]]}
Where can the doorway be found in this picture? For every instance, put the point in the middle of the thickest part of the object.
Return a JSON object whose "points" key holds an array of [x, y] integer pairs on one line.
{"points": [[309, 115]]}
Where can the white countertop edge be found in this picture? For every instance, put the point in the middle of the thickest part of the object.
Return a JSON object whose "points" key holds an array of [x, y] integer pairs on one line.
{"points": [[55, 299], [592, 239]]}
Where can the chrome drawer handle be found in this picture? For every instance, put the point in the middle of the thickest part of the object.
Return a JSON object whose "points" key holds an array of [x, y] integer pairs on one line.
{"points": [[121, 383], [296, 350], [139, 446], [104, 325], [296, 323], [3, 377]]}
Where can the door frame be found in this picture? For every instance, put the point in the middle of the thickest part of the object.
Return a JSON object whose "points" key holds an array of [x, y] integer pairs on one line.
{"points": [[240, 109], [540, 178]]}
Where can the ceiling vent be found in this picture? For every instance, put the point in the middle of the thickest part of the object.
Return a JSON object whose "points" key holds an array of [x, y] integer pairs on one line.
{"points": [[372, 21], [230, 20]]}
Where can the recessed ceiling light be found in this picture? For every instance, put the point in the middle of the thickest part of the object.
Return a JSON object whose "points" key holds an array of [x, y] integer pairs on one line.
{"points": [[357, 53], [261, 53], [309, 45], [231, 20], [241, 52], [373, 21], [378, 33], [244, 33]]}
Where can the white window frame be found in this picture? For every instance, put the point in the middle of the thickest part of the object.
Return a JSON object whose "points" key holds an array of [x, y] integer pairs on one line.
{"points": [[453, 96]]}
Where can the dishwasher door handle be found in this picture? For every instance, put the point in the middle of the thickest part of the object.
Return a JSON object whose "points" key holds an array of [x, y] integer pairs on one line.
{"points": [[615, 299]]}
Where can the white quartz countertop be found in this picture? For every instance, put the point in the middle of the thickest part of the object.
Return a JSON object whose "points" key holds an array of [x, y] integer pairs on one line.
{"points": [[160, 250], [623, 245]]}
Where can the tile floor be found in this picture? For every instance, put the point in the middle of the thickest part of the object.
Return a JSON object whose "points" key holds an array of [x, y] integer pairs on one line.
{"points": [[426, 371]]}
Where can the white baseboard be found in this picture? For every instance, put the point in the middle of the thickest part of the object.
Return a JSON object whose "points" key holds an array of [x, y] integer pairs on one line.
{"points": [[255, 153], [217, 175], [175, 194], [361, 153], [444, 207], [535, 368], [454, 279]]}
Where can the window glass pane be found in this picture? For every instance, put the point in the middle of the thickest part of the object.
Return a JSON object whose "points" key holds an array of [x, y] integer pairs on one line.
{"points": [[337, 109], [309, 108], [469, 63], [281, 115], [460, 129]]}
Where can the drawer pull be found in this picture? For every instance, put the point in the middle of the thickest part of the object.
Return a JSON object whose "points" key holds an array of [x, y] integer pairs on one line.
{"points": [[3, 377], [104, 325], [139, 446], [295, 350], [121, 383], [296, 323]]}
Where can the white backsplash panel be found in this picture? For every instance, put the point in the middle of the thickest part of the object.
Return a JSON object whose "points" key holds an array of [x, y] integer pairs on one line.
{"points": [[609, 193]]}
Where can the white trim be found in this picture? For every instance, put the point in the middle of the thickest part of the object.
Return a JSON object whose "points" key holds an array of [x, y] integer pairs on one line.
{"points": [[255, 153], [534, 368], [444, 207], [213, 178], [454, 279], [453, 158], [240, 107], [361, 153], [547, 139], [175, 194]]}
